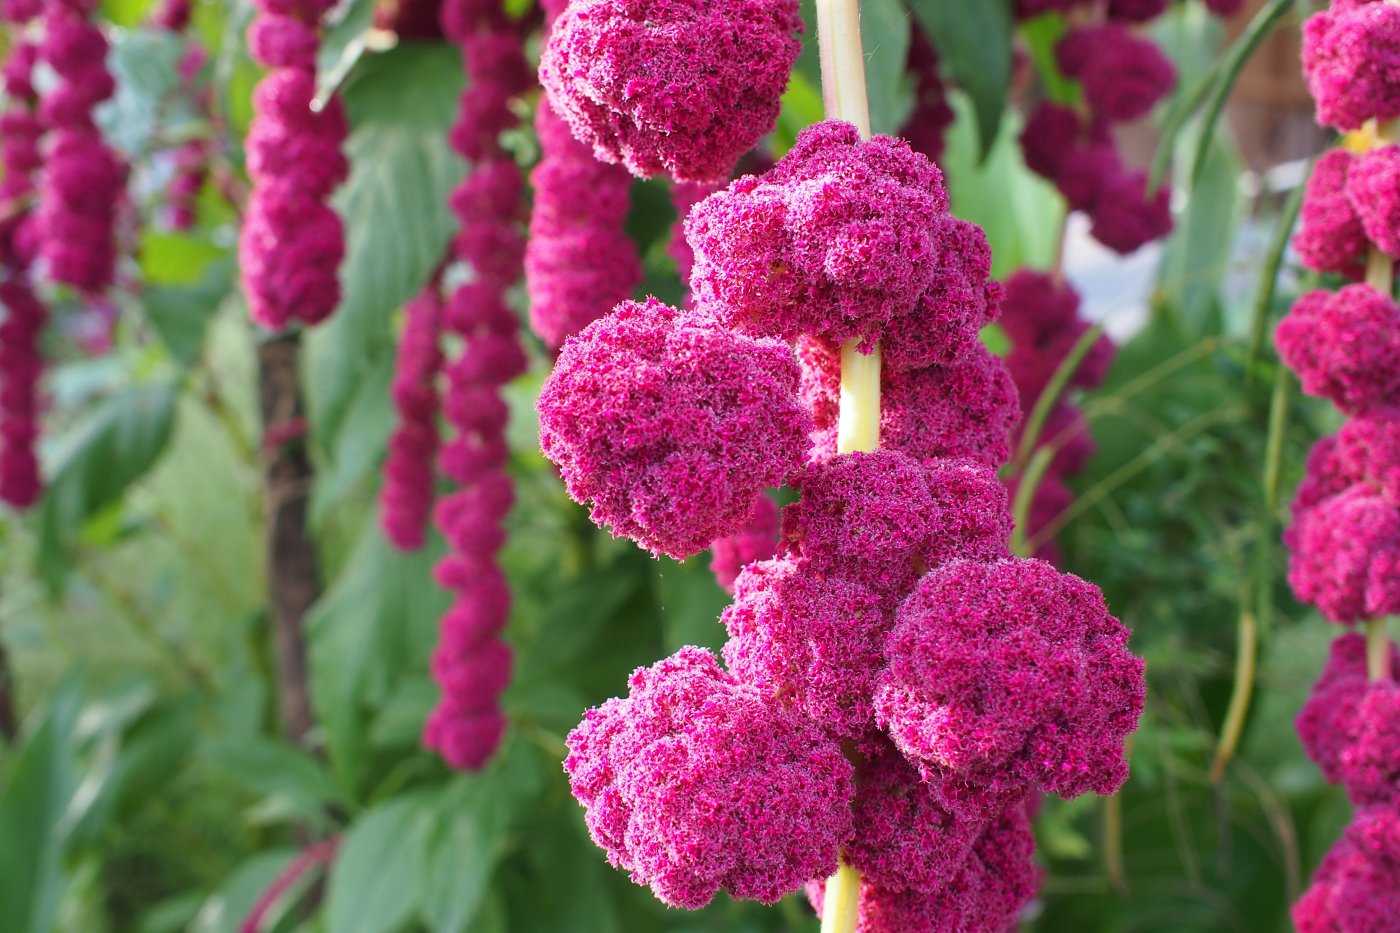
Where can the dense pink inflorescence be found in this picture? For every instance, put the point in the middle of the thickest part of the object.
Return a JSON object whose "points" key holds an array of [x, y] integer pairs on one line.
{"points": [[966, 410], [22, 314], [1124, 75], [986, 891], [579, 261], [1346, 556], [81, 186], [292, 241], [841, 239], [1344, 346], [1006, 677], [1330, 236], [932, 114], [1331, 721], [696, 783], [1373, 187], [406, 499], [471, 664], [1351, 59], [671, 428], [681, 87], [758, 540], [190, 160], [1357, 887]]}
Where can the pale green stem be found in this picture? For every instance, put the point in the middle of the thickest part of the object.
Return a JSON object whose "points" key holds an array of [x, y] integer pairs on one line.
{"points": [[840, 906], [858, 426], [1377, 650]]}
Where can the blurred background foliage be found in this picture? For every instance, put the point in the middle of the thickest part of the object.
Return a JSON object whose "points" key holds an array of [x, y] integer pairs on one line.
{"points": [[149, 789]]}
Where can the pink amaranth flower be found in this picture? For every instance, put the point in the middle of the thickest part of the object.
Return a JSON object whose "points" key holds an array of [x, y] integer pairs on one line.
{"points": [[292, 242], [986, 893], [1085, 172], [932, 115], [839, 238], [758, 540], [1009, 677], [1028, 9], [670, 428], [1371, 765], [1357, 887], [1368, 450], [1344, 346], [696, 783], [406, 499], [1330, 236], [1345, 556], [21, 366], [579, 260], [1136, 11], [1127, 216], [966, 410], [684, 197], [1124, 75], [681, 87], [1351, 59], [1373, 188], [1040, 315], [815, 640], [1328, 723], [882, 517], [1050, 135]]}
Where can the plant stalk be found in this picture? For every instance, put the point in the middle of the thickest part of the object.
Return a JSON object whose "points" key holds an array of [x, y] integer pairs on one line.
{"points": [[1377, 650], [840, 907], [293, 567], [858, 423]]}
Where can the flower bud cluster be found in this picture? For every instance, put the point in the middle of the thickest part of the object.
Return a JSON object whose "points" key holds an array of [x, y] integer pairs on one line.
{"points": [[22, 314], [897, 684], [410, 473], [1123, 76], [292, 241], [579, 261], [191, 158], [82, 183], [1344, 538], [472, 664], [1041, 318], [932, 114]]}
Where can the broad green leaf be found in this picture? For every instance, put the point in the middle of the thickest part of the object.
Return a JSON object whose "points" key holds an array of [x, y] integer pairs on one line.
{"points": [[398, 225], [104, 455], [356, 452], [973, 38], [267, 766], [1198, 254], [181, 314], [375, 622], [225, 910], [177, 258], [690, 602], [375, 878], [35, 790]]}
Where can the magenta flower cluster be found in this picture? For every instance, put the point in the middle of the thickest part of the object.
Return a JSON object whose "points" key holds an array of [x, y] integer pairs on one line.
{"points": [[1344, 539], [863, 712], [82, 182], [1041, 318], [471, 664], [1123, 76], [21, 363], [932, 115], [191, 158], [292, 241], [675, 87], [410, 474], [579, 261]]}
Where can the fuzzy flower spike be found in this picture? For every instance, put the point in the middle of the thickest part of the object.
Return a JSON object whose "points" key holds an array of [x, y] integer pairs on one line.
{"points": [[680, 87]]}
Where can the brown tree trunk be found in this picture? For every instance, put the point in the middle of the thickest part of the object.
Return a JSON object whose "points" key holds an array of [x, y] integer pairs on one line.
{"points": [[293, 571], [9, 722]]}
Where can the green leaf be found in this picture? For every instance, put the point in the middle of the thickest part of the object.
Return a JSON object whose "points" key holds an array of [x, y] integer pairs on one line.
{"points": [[973, 38], [398, 225], [180, 315], [267, 766], [177, 258], [884, 36], [36, 790], [224, 910], [356, 452], [690, 602], [375, 879], [104, 455], [376, 622]]}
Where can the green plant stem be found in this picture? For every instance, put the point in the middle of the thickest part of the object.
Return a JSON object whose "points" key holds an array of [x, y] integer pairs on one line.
{"points": [[1268, 281], [840, 906], [1377, 650], [1246, 660], [1030, 480], [1030, 435], [1223, 81]]}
